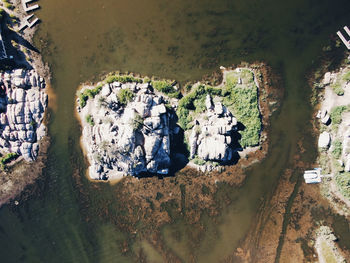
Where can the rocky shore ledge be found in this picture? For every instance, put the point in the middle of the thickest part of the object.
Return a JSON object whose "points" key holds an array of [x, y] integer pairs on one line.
{"points": [[23, 102], [137, 126], [22, 105], [333, 142]]}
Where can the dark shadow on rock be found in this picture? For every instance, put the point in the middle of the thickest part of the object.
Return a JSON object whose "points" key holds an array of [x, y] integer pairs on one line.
{"points": [[240, 126]]}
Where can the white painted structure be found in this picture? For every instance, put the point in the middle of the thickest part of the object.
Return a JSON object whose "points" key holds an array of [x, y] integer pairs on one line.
{"points": [[28, 23], [3, 54], [346, 42], [313, 176], [29, 8]]}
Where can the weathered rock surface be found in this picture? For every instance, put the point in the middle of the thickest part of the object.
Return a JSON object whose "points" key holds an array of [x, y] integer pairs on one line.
{"points": [[127, 139], [22, 105], [211, 138], [324, 140]]}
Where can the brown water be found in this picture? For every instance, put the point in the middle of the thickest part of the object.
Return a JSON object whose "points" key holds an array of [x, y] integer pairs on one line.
{"points": [[182, 40]]}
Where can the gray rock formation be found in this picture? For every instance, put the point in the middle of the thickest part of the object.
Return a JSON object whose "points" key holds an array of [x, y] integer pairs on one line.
{"points": [[324, 140], [22, 105], [127, 139], [210, 139]]}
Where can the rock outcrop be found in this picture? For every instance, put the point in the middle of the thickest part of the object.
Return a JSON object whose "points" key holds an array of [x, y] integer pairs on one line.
{"points": [[127, 138], [22, 105], [211, 138], [324, 140]]}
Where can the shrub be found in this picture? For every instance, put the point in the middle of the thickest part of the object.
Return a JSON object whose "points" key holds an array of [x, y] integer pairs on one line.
{"points": [[125, 95], [122, 79], [346, 76], [343, 183], [89, 119], [337, 88], [198, 161], [137, 122], [337, 149], [8, 158], [165, 87], [89, 93], [336, 114]]}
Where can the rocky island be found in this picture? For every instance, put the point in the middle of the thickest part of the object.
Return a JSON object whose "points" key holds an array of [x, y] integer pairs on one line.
{"points": [[138, 126]]}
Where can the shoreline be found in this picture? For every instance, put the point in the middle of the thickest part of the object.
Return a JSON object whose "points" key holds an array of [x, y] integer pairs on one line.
{"points": [[155, 192], [22, 176]]}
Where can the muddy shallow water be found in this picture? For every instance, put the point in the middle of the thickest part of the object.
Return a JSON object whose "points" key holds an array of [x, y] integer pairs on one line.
{"points": [[182, 40]]}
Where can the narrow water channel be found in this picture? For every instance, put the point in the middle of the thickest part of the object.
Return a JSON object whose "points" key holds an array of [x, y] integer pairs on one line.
{"points": [[182, 40]]}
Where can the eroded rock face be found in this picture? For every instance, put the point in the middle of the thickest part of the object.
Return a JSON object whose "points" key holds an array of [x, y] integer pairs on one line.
{"points": [[22, 105], [127, 139], [211, 138]]}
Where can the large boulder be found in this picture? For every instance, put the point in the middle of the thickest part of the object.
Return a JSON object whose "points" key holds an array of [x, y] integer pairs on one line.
{"points": [[324, 140]]}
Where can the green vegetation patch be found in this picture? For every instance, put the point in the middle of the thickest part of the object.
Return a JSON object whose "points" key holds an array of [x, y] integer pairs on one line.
{"points": [[337, 88], [165, 87], [137, 123], [194, 102], [346, 76], [8, 158], [89, 93], [89, 119], [122, 79], [336, 115], [343, 183], [125, 95], [337, 149], [242, 100]]}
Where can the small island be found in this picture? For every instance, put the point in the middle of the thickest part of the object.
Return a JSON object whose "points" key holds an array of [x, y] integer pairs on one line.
{"points": [[141, 126]]}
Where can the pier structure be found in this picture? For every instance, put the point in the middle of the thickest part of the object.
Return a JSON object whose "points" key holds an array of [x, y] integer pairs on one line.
{"points": [[343, 39], [28, 22], [3, 54], [29, 8]]}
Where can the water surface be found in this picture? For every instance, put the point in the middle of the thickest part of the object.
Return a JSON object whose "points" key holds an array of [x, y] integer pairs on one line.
{"points": [[182, 40]]}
